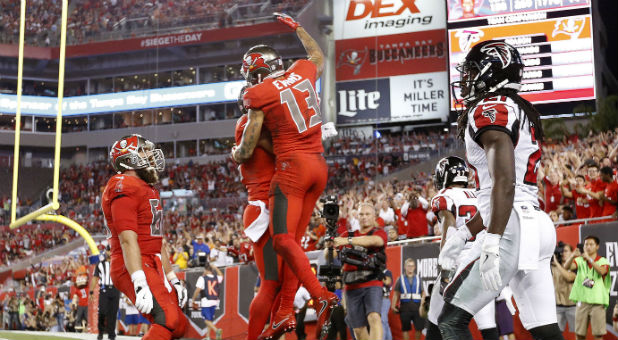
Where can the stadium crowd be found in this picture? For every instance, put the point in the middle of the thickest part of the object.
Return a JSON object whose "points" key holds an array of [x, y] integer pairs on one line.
{"points": [[570, 187], [88, 19]]}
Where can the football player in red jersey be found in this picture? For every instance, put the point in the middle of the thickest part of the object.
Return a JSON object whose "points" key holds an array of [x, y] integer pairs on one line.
{"points": [[256, 174], [133, 213], [285, 102]]}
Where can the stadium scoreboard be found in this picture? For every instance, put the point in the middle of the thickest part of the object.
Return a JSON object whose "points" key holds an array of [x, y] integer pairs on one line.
{"points": [[554, 38]]}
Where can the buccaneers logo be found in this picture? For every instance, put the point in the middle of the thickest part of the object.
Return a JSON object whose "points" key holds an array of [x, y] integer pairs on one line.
{"points": [[468, 37], [572, 27], [500, 51], [251, 62], [353, 58]]}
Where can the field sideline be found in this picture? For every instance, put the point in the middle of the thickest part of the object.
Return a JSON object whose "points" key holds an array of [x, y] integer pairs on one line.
{"points": [[28, 335]]}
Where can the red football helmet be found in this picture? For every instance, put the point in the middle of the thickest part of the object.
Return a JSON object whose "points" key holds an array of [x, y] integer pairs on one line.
{"points": [[135, 152], [259, 62]]}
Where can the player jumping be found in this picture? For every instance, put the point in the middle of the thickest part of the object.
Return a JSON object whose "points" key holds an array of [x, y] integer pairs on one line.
{"points": [[502, 133], [256, 174], [133, 213], [455, 204], [285, 102]]}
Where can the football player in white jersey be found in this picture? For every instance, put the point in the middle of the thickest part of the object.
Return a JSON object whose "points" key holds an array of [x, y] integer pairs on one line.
{"points": [[454, 205], [501, 132]]}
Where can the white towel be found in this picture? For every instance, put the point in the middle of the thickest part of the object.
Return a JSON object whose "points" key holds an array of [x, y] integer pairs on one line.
{"points": [[258, 227], [529, 238]]}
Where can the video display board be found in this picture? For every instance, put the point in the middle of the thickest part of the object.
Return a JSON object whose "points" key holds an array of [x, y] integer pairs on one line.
{"points": [[391, 60], [554, 38]]}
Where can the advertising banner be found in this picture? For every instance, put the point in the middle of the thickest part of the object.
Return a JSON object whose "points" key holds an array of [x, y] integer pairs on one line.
{"points": [[125, 101], [363, 101], [380, 46], [419, 96], [391, 55], [371, 18], [461, 10]]}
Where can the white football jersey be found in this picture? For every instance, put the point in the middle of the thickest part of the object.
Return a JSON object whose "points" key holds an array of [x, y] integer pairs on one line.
{"points": [[504, 114], [461, 202]]}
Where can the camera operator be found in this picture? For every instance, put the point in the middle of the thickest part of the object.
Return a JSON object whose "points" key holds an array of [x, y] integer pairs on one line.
{"points": [[590, 289], [363, 281], [563, 283]]}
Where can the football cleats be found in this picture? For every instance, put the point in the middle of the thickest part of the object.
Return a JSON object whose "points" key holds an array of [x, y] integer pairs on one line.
{"points": [[135, 152], [259, 62], [450, 170], [489, 66]]}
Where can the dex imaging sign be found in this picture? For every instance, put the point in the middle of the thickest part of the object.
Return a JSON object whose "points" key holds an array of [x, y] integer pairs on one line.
{"points": [[363, 18]]}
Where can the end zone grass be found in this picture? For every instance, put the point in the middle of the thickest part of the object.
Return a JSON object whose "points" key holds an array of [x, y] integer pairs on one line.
{"points": [[26, 336]]}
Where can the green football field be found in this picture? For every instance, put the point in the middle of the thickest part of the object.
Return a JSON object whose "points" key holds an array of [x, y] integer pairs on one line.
{"points": [[25, 336]]}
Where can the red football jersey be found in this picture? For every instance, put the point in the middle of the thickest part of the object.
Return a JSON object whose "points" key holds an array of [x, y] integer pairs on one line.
{"points": [[129, 203], [611, 192], [291, 109], [257, 172], [82, 295]]}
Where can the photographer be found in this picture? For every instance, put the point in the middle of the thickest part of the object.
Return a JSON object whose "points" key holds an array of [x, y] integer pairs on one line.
{"points": [[563, 283], [363, 282], [590, 289]]}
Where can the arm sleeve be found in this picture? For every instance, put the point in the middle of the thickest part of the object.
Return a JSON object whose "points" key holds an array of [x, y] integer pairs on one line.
{"points": [[200, 283], [423, 202], [124, 213], [494, 114], [440, 203]]}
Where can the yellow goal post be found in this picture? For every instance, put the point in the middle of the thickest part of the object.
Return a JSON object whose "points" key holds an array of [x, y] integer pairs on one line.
{"points": [[45, 213]]}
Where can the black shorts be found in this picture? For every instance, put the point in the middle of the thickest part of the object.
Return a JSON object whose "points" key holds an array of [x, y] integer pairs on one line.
{"points": [[408, 314]]}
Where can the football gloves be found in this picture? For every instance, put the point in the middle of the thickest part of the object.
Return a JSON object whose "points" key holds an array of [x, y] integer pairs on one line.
{"points": [[489, 264], [181, 291], [455, 241], [328, 130], [286, 19], [143, 296]]}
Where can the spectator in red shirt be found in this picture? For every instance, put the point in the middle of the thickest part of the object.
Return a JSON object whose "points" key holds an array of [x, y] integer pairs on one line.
{"points": [[610, 196], [553, 196], [594, 189], [571, 190], [417, 216]]}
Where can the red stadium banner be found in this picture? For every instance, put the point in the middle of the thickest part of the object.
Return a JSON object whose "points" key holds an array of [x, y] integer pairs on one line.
{"points": [[391, 55]]}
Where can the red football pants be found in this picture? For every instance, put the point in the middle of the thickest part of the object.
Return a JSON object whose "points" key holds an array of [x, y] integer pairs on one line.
{"points": [[298, 182], [270, 267], [168, 320]]}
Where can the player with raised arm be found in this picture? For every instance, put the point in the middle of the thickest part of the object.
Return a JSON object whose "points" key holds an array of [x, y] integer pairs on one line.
{"points": [[285, 102], [140, 266], [454, 205], [256, 174], [502, 132]]}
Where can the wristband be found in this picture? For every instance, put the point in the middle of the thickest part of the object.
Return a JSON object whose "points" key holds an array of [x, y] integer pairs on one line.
{"points": [[138, 276], [350, 240], [492, 239], [615, 318], [91, 292], [171, 276]]}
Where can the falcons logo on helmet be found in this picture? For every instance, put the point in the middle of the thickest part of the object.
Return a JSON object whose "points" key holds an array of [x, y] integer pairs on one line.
{"points": [[500, 51]]}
